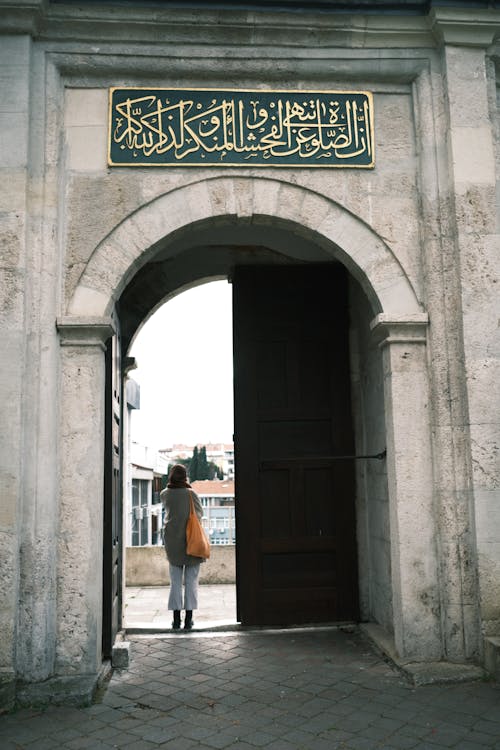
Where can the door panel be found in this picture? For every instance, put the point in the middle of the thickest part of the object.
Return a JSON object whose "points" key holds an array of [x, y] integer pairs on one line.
{"points": [[112, 551], [296, 546]]}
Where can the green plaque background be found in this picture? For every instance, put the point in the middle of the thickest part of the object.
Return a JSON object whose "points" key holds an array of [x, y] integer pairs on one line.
{"points": [[202, 127]]}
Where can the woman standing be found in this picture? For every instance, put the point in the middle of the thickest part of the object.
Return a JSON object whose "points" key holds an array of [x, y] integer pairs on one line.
{"points": [[176, 501]]}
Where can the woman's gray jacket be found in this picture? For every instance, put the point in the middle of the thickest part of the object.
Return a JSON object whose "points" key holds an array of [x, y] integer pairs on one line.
{"points": [[177, 507]]}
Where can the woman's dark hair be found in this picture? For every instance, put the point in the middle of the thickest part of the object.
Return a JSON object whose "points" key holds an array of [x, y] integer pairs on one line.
{"points": [[177, 477]]}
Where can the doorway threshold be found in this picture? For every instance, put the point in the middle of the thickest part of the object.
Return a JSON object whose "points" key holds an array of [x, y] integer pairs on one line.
{"points": [[146, 628], [230, 627]]}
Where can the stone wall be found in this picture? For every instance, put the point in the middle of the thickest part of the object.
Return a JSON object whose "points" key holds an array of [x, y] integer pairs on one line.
{"points": [[372, 501], [419, 234], [148, 566]]}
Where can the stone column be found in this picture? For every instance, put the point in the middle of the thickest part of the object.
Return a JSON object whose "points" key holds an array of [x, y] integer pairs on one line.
{"points": [[80, 538], [471, 536], [415, 587], [15, 55]]}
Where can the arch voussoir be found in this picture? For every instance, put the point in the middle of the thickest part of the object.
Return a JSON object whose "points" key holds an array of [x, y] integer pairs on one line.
{"points": [[266, 198], [132, 243], [222, 197], [313, 210]]}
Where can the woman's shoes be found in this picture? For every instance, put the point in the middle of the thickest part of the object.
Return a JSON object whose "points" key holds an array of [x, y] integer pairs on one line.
{"points": [[176, 622], [188, 620]]}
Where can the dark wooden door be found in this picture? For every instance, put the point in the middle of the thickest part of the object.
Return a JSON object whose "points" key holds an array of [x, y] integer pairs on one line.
{"points": [[112, 550], [296, 545]]}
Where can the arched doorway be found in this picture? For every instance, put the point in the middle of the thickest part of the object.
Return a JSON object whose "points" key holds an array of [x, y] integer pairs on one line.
{"points": [[206, 229], [297, 553], [294, 446]]}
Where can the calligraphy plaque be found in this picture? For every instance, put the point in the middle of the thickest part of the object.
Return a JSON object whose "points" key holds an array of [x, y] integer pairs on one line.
{"points": [[208, 127]]}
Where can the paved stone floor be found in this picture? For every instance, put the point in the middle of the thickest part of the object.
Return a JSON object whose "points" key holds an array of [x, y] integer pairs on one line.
{"points": [[321, 689], [145, 607]]}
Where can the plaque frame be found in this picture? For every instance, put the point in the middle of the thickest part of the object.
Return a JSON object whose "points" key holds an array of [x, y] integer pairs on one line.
{"points": [[287, 117]]}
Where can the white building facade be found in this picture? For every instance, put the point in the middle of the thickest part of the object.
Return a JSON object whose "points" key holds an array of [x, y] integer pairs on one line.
{"points": [[217, 500], [90, 250], [144, 514]]}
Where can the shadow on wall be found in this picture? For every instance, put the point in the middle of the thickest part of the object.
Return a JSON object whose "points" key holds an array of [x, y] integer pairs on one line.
{"points": [[148, 566]]}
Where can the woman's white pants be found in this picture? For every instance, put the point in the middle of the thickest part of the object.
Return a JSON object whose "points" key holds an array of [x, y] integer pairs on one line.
{"points": [[190, 573]]}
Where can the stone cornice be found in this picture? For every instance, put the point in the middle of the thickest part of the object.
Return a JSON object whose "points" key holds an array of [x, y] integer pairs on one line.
{"points": [[191, 26], [465, 28], [407, 329], [77, 331], [232, 27], [22, 17]]}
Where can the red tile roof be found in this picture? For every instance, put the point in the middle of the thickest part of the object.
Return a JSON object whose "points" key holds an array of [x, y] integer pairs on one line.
{"points": [[213, 487]]}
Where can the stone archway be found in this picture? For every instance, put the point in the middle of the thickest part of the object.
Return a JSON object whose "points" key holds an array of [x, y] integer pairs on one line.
{"points": [[399, 323], [136, 239]]}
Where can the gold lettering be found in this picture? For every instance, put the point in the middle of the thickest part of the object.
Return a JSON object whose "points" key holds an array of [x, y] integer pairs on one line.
{"points": [[288, 128]]}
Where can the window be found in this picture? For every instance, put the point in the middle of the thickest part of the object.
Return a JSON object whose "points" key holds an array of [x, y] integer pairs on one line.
{"points": [[157, 488], [139, 513]]}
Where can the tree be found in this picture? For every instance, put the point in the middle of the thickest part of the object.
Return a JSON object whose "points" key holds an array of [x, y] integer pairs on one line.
{"points": [[194, 465], [213, 471], [202, 464], [199, 467]]}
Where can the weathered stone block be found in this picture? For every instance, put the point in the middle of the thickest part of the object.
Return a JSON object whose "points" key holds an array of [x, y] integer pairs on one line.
{"points": [[120, 656], [492, 656]]}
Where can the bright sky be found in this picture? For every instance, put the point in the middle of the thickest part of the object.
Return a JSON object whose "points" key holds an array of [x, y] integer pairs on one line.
{"points": [[185, 370]]}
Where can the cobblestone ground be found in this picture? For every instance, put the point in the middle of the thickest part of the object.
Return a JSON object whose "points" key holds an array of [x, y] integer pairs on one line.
{"points": [[307, 690]]}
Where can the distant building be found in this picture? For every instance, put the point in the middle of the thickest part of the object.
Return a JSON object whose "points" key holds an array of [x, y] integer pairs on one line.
{"points": [[177, 451], [217, 499], [143, 507], [221, 454]]}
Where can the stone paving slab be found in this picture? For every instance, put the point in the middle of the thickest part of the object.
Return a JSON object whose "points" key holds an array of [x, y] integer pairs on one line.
{"points": [[304, 689], [145, 607]]}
